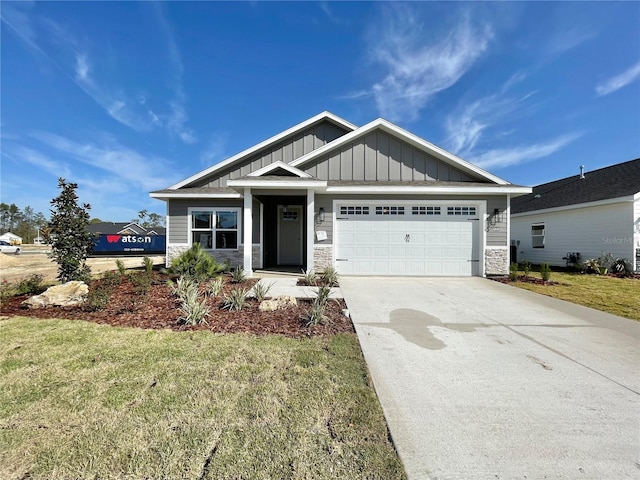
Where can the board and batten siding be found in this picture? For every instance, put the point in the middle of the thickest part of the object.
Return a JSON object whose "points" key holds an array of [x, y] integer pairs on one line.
{"points": [[179, 216], [496, 237], [591, 231], [286, 151], [380, 156]]}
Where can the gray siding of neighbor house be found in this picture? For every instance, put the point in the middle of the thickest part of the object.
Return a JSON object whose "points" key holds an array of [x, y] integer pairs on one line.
{"points": [[496, 236], [380, 156], [179, 216], [497, 227], [286, 151]]}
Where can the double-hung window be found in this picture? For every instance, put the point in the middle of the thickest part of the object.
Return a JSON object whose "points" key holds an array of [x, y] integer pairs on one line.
{"points": [[537, 235], [215, 228]]}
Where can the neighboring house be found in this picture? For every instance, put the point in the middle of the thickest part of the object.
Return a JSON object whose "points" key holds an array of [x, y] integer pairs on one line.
{"points": [[123, 228], [370, 200], [593, 213], [12, 238]]}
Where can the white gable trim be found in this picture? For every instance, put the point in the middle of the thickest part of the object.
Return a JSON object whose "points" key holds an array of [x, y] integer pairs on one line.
{"points": [[179, 194], [406, 136], [275, 139], [292, 182], [275, 166]]}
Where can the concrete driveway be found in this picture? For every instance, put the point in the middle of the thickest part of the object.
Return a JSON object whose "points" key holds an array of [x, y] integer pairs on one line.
{"points": [[480, 380]]}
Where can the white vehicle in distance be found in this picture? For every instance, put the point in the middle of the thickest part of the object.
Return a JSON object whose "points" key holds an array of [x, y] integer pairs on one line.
{"points": [[6, 247]]}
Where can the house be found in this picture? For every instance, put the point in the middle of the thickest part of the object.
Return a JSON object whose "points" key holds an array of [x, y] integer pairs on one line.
{"points": [[122, 228], [11, 238], [592, 213], [369, 200]]}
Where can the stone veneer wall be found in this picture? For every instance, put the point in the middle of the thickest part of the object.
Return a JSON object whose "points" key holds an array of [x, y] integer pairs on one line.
{"points": [[322, 257], [496, 261]]}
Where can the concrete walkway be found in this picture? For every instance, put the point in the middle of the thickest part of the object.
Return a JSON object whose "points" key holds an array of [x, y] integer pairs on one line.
{"points": [[480, 380], [286, 285]]}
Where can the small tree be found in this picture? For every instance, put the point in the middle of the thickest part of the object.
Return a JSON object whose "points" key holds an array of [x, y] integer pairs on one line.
{"points": [[71, 242]]}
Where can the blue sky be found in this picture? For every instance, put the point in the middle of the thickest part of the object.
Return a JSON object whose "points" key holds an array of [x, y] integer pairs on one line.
{"points": [[124, 98]]}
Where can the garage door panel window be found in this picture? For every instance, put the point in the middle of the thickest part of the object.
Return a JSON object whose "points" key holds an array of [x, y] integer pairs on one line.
{"points": [[537, 235], [354, 210], [215, 229], [470, 211], [418, 210], [391, 210]]}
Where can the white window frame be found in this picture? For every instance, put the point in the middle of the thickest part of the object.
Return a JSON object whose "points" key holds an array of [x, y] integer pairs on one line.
{"points": [[538, 237], [214, 212]]}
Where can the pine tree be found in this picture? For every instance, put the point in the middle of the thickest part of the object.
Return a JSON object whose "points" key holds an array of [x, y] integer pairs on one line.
{"points": [[71, 242]]}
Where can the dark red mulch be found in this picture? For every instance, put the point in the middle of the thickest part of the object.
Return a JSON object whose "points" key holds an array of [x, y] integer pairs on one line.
{"points": [[524, 279], [158, 309]]}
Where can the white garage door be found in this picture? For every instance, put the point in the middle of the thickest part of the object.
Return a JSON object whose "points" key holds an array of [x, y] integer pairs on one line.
{"points": [[409, 239]]}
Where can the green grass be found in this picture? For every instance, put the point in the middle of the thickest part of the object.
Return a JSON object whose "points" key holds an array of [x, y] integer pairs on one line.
{"points": [[80, 400], [618, 296]]}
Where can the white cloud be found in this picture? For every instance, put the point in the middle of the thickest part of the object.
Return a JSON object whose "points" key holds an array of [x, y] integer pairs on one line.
{"points": [[129, 166], [468, 123], [82, 68], [215, 150], [505, 157], [38, 159], [415, 71], [569, 38], [619, 81]]}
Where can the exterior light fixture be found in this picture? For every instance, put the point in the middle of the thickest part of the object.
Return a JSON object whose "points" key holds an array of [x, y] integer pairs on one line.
{"points": [[321, 215]]}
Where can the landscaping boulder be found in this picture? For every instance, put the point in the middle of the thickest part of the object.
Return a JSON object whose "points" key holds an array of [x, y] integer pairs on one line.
{"points": [[283, 301], [66, 295]]}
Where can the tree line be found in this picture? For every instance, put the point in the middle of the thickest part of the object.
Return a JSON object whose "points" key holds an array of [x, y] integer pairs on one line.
{"points": [[26, 223], [29, 224]]}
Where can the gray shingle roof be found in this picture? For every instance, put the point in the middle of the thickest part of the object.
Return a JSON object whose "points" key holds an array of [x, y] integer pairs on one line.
{"points": [[620, 180]]}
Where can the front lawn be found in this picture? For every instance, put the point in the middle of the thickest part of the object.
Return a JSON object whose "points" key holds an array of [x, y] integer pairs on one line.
{"points": [[81, 400], [619, 296]]}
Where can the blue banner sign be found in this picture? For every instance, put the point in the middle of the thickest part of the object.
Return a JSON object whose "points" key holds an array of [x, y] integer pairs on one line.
{"points": [[130, 244]]}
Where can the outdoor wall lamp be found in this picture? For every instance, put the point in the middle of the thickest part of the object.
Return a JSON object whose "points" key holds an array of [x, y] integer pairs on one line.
{"points": [[321, 215]]}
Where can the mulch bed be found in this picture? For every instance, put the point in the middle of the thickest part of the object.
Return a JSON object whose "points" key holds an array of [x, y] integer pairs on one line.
{"points": [[158, 309], [524, 279]]}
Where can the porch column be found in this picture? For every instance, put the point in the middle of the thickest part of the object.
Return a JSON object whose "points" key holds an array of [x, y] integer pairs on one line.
{"points": [[311, 220], [247, 232]]}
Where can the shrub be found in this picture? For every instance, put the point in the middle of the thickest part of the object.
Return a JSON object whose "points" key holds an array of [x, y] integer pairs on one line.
{"points": [[310, 277], [184, 287], [526, 267], [194, 310], [6, 291], [606, 261], [592, 266], [196, 263], [121, 268], [545, 272], [329, 277], [214, 287], [238, 275], [142, 282], [147, 263], [621, 266], [98, 298], [261, 290], [236, 300], [110, 278], [316, 314], [513, 272], [31, 286]]}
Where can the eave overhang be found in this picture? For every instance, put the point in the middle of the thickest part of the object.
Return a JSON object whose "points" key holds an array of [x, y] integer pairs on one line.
{"points": [[431, 190]]}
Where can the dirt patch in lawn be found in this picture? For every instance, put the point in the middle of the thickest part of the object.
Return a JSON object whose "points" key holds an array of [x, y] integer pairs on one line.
{"points": [[159, 309], [524, 279]]}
